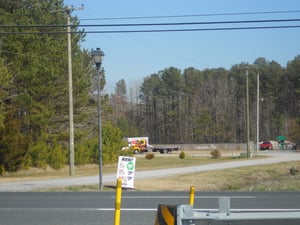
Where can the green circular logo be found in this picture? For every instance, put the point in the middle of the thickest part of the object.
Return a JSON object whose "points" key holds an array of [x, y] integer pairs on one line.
{"points": [[130, 166]]}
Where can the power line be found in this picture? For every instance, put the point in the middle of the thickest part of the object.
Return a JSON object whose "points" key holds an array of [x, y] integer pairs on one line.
{"points": [[196, 15], [156, 24], [161, 30]]}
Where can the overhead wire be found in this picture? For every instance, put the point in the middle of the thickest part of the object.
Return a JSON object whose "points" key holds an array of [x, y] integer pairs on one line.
{"points": [[284, 26], [161, 30], [155, 24], [194, 15]]}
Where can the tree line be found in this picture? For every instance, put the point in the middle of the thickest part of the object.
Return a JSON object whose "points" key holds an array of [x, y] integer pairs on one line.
{"points": [[170, 106], [209, 106], [34, 109]]}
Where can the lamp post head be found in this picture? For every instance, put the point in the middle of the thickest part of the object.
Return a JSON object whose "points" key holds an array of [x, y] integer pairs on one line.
{"points": [[98, 56]]}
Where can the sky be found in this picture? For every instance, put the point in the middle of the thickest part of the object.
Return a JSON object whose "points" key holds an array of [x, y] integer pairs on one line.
{"points": [[134, 56]]}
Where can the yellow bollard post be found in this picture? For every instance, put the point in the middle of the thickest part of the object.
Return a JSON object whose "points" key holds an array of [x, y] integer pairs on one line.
{"points": [[192, 195], [118, 202]]}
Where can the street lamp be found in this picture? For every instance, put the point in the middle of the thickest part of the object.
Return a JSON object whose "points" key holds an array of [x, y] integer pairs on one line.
{"points": [[98, 56]]}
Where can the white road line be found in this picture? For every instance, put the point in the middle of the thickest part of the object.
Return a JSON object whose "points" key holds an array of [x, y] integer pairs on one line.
{"points": [[126, 209], [145, 209], [184, 197], [75, 209], [250, 210], [207, 210]]}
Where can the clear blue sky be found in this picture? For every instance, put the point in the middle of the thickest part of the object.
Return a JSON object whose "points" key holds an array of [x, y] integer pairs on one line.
{"points": [[133, 56]]}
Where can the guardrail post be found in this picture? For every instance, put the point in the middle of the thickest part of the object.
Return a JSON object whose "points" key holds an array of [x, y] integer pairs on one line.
{"points": [[192, 195], [224, 205], [118, 202]]}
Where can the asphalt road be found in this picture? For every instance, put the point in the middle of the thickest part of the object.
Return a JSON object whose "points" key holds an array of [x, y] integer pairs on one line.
{"points": [[277, 156], [138, 208]]}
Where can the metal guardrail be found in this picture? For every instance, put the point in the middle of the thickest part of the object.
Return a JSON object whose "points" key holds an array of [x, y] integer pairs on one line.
{"points": [[187, 215]]}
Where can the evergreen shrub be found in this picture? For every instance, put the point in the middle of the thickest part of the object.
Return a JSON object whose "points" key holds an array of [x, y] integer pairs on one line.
{"points": [[216, 154], [57, 157], [149, 156], [182, 155]]}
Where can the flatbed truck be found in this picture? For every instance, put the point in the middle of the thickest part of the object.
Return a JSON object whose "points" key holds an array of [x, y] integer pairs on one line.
{"points": [[141, 145]]}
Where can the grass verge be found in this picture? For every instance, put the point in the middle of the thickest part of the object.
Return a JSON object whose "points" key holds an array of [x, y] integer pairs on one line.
{"points": [[274, 177]]}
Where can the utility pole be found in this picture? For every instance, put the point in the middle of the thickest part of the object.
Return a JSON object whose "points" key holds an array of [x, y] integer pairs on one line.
{"points": [[69, 10], [257, 114], [70, 78], [71, 120], [247, 114]]}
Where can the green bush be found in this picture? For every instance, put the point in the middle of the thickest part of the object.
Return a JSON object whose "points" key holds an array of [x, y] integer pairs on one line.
{"points": [[149, 156], [37, 155], [2, 170], [216, 154], [83, 155], [57, 157], [127, 152], [182, 155], [112, 138]]}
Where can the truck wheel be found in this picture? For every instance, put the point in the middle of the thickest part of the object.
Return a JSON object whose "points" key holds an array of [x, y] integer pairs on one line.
{"points": [[135, 151], [165, 151]]}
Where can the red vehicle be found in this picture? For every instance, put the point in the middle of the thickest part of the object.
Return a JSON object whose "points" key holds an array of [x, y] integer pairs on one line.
{"points": [[266, 145]]}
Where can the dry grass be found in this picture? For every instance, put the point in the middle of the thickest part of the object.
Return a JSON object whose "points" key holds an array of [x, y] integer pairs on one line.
{"points": [[158, 162], [274, 177], [257, 178]]}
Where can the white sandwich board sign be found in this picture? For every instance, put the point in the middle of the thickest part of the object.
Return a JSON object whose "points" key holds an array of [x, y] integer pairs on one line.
{"points": [[126, 169]]}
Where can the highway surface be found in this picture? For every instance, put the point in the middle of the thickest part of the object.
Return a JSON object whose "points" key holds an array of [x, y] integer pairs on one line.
{"points": [[17, 206], [138, 208]]}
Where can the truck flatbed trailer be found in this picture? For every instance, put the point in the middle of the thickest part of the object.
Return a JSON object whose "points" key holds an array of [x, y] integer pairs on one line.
{"points": [[165, 149]]}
